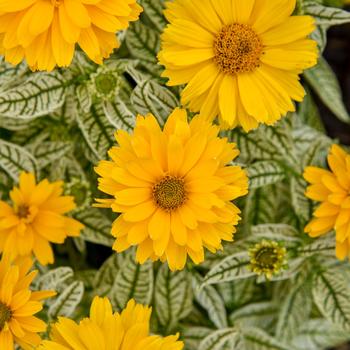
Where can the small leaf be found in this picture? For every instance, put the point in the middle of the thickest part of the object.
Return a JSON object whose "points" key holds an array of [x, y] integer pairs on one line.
{"points": [[54, 279], [257, 339], [133, 281], [154, 11], [97, 227], [173, 296], [231, 268], [66, 303], [325, 84], [331, 295], [217, 339], [142, 42], [150, 97], [210, 300], [14, 159], [264, 173], [41, 94], [294, 311]]}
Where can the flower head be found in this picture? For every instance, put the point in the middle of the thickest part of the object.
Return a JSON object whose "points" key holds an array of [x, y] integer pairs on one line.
{"points": [[18, 305], [45, 32], [104, 83], [36, 218], [173, 188], [332, 189], [267, 258], [104, 329], [241, 60]]}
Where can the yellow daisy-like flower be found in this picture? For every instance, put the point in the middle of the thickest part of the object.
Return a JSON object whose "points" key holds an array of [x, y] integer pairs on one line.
{"points": [[241, 60], [35, 219], [173, 189], [332, 188], [105, 330], [45, 32], [18, 305]]}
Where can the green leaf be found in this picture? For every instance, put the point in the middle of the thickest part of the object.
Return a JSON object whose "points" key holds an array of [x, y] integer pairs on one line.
{"points": [[320, 246], [41, 94], [231, 268], [319, 334], [265, 173], [105, 276], [257, 339], [331, 295], [97, 227], [150, 97], [14, 159], [133, 281], [50, 151], [97, 130], [119, 114], [67, 301], [262, 314], [278, 232], [216, 340], [210, 300], [325, 15], [301, 204], [54, 279], [142, 42], [84, 97], [154, 11], [172, 296], [192, 336], [294, 311], [325, 84]]}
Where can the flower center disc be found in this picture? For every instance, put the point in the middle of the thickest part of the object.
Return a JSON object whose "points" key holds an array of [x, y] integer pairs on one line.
{"points": [[5, 315], [237, 49], [169, 193], [23, 211], [266, 257]]}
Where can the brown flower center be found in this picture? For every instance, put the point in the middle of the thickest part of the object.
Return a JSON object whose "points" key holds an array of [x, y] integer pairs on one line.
{"points": [[169, 193], [23, 211], [237, 49], [266, 257], [5, 315]]}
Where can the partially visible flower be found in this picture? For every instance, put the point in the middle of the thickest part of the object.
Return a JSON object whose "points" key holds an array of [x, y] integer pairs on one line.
{"points": [[18, 305], [332, 189], [267, 258], [104, 83], [45, 32], [36, 218], [173, 188], [240, 59], [105, 330]]}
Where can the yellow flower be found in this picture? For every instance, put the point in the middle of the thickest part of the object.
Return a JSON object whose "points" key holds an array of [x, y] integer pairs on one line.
{"points": [[239, 59], [332, 188], [105, 330], [18, 304], [36, 218], [45, 32], [173, 189]]}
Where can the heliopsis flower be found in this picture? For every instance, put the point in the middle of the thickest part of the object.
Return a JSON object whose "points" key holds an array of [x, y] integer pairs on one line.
{"points": [[45, 32], [35, 219], [18, 305], [332, 189], [105, 330], [241, 60], [173, 188], [267, 258]]}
